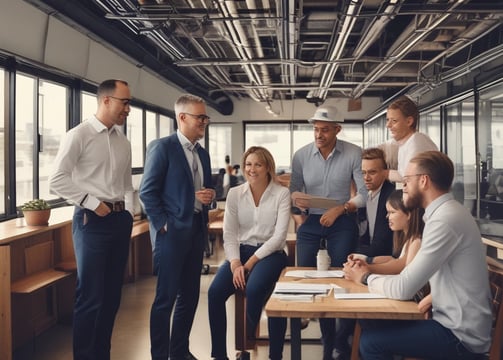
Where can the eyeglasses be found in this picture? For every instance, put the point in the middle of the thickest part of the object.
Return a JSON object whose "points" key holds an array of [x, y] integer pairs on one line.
{"points": [[200, 117], [125, 101], [405, 178]]}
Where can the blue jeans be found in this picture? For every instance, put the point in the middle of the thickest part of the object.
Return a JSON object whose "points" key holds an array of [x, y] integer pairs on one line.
{"points": [[178, 258], [101, 250], [259, 286], [342, 239], [422, 339]]}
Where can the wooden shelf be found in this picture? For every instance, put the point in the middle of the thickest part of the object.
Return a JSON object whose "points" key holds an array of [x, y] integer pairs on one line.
{"points": [[37, 281]]}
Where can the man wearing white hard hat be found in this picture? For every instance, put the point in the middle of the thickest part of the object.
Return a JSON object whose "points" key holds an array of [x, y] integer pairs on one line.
{"points": [[325, 168]]}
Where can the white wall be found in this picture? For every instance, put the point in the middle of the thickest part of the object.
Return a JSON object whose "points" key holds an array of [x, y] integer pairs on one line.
{"points": [[28, 32]]}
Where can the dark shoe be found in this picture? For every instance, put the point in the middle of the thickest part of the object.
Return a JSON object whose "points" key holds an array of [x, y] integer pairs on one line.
{"points": [[187, 356], [304, 322], [343, 356], [205, 269]]}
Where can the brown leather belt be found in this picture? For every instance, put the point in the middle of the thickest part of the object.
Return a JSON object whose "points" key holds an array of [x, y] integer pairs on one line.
{"points": [[117, 206]]}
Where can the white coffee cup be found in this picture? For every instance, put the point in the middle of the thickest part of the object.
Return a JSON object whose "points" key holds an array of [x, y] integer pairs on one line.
{"points": [[322, 260]]}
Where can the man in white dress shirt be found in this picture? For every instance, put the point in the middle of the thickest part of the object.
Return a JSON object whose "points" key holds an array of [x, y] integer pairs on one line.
{"points": [[93, 171]]}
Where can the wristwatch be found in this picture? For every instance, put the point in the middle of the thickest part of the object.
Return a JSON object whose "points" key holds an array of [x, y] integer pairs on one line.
{"points": [[346, 208], [365, 278]]}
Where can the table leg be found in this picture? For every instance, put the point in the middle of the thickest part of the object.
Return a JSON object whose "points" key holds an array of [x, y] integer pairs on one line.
{"points": [[295, 339], [355, 355]]}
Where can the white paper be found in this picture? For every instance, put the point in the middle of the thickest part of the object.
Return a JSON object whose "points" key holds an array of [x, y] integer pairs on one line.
{"points": [[342, 295], [315, 274], [300, 288], [294, 297], [319, 202]]}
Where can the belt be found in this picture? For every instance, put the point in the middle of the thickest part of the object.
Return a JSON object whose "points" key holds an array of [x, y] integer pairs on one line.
{"points": [[116, 206]]}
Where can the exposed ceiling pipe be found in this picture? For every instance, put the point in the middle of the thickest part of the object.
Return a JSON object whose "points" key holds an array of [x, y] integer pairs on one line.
{"points": [[470, 35], [288, 37], [342, 33], [375, 28], [453, 74], [409, 38], [238, 34]]}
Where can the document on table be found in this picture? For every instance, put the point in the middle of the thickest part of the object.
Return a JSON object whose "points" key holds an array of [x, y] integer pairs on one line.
{"points": [[313, 274], [346, 295], [301, 288]]}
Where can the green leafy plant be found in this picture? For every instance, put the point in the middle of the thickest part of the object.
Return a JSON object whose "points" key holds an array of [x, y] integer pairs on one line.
{"points": [[37, 204]]}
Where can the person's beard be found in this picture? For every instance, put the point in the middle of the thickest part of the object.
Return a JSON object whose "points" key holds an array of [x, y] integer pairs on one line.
{"points": [[413, 200]]}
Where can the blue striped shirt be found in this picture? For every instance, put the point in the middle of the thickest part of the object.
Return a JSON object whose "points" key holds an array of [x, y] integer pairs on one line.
{"points": [[330, 178]]}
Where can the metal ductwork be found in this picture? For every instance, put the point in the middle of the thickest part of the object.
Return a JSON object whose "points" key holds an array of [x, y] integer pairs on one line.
{"points": [[271, 50]]}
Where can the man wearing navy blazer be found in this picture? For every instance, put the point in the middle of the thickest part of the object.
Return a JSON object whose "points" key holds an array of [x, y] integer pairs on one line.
{"points": [[378, 237], [176, 190]]}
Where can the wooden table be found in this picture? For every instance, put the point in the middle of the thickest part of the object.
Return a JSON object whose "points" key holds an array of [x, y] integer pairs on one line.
{"points": [[329, 307]]}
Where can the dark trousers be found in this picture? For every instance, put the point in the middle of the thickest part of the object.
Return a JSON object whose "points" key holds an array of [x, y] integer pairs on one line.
{"points": [[178, 258], [101, 250], [259, 286], [426, 339], [342, 239]]}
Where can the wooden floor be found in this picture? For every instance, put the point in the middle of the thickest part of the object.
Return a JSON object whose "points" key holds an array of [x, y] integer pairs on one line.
{"points": [[131, 332]]}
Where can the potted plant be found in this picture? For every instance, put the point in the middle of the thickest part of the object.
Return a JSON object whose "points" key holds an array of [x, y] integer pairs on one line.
{"points": [[36, 212]]}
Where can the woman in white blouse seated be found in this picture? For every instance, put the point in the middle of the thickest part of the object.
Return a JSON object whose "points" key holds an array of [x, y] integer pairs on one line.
{"points": [[256, 220]]}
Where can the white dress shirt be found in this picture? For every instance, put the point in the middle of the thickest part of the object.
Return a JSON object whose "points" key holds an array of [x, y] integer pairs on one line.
{"points": [[93, 164], [245, 223]]}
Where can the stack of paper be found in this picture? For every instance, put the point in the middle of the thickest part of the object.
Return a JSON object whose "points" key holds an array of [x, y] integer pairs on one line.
{"points": [[346, 295], [301, 288], [315, 273]]}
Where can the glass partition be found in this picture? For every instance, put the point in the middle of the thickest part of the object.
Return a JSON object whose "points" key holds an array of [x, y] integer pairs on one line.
{"points": [[460, 146], [490, 116]]}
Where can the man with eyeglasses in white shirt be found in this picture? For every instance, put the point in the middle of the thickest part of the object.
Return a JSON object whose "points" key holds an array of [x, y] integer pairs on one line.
{"points": [[93, 171]]}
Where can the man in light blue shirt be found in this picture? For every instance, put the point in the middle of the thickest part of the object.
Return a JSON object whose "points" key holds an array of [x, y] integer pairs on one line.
{"points": [[326, 168]]}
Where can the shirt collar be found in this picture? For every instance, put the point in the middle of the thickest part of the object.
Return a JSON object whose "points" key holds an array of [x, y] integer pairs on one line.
{"points": [[374, 193], [99, 126], [183, 140], [434, 205], [338, 146]]}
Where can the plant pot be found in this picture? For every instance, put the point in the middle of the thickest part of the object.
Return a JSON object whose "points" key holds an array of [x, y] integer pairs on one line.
{"points": [[37, 217]]}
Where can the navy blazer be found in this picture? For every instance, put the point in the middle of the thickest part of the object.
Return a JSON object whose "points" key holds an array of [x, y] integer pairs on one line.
{"points": [[167, 187], [382, 242]]}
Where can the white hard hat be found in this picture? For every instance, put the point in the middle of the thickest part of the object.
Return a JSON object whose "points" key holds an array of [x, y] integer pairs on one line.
{"points": [[327, 113]]}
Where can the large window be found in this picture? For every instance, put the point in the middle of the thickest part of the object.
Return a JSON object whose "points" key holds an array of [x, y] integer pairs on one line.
{"points": [[220, 145], [429, 124], [284, 139], [89, 104], [274, 137], [135, 135], [41, 118], [490, 120], [2, 141], [42, 108], [461, 149]]}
